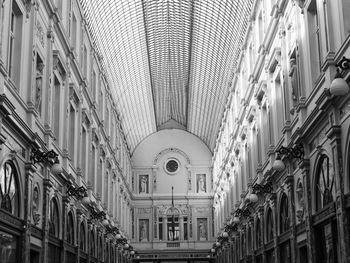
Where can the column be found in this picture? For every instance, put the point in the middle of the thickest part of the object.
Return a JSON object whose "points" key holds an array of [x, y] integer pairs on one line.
{"points": [[305, 168], [29, 171], [46, 204], [181, 227], [165, 228], [334, 135]]}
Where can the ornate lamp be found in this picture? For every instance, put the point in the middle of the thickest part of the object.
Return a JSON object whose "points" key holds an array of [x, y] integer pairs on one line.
{"points": [[339, 86], [296, 152]]}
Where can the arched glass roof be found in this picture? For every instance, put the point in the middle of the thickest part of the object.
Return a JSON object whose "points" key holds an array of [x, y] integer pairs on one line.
{"points": [[169, 60]]}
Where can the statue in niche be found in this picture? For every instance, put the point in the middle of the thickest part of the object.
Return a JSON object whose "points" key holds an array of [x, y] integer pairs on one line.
{"points": [[35, 206], [38, 85], [143, 184], [294, 80], [201, 183], [143, 231], [202, 229]]}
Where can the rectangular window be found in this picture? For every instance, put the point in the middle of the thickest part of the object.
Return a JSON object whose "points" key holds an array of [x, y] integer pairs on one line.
{"points": [[107, 121], [346, 17], [84, 143], [93, 170], [100, 101], [85, 62], [185, 228], [15, 44], [93, 85], [56, 108], [160, 228], [173, 228], [74, 30], [314, 40], [105, 189], [71, 138]]}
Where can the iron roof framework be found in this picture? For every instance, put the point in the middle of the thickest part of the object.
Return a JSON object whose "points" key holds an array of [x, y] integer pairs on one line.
{"points": [[169, 60]]}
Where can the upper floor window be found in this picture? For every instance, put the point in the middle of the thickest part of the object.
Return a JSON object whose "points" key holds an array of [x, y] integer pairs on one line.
{"points": [[269, 225], [314, 40], [92, 243], [346, 18], [9, 196], [258, 233], [284, 214], [15, 43], [325, 184], [54, 218], [70, 229], [82, 244]]}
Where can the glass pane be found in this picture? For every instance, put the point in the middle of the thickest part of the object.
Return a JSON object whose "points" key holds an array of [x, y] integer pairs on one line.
{"points": [[8, 189], [8, 248]]}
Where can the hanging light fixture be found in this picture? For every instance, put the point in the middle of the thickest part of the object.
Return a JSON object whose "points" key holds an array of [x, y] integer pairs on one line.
{"points": [[339, 86], [278, 164]]}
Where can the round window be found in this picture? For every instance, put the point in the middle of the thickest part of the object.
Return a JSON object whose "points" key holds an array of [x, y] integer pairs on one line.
{"points": [[172, 166]]}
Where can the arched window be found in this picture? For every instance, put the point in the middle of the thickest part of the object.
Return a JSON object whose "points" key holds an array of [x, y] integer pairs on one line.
{"points": [[70, 229], [106, 253], [100, 248], [82, 244], [243, 244], [325, 184], [284, 215], [269, 225], [9, 193], [258, 233], [54, 218], [92, 243], [249, 239]]}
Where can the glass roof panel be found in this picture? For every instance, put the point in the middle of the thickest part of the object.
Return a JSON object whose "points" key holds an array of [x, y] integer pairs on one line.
{"points": [[169, 59]]}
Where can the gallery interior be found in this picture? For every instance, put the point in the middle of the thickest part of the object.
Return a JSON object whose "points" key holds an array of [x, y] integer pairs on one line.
{"points": [[165, 131]]}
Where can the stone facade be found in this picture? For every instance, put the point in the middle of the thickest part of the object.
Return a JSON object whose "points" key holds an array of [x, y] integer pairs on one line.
{"points": [[55, 96], [280, 99]]}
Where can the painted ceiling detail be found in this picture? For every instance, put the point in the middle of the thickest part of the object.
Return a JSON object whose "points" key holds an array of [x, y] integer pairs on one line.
{"points": [[169, 62]]}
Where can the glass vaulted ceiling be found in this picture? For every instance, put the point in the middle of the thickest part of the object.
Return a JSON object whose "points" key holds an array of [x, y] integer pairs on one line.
{"points": [[169, 60]]}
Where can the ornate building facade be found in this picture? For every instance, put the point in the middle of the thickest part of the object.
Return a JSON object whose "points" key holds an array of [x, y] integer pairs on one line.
{"points": [[281, 165], [275, 189]]}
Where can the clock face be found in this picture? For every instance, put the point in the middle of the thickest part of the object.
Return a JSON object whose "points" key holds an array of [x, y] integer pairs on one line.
{"points": [[172, 166]]}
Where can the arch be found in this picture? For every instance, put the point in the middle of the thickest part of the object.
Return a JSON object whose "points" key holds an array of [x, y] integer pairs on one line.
{"points": [[100, 247], [54, 218], [168, 150], [250, 239], [283, 214], [258, 233], [324, 192], [269, 226], [70, 228], [173, 211], [82, 237], [9, 188], [92, 244]]}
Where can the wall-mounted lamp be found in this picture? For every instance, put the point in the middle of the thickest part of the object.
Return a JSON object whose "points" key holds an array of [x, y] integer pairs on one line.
{"points": [[79, 193], [97, 214], [259, 189], [339, 86], [50, 157], [296, 152], [240, 213]]}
